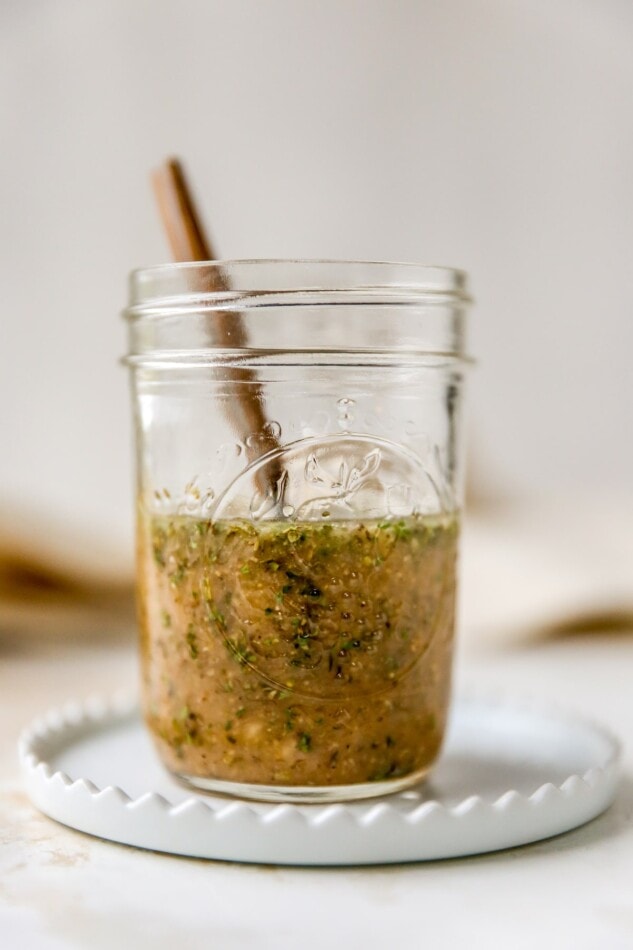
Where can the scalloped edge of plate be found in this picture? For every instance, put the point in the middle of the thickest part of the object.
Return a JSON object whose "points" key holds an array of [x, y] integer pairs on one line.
{"points": [[332, 834]]}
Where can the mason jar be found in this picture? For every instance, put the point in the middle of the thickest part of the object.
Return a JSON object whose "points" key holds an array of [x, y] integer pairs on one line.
{"points": [[299, 485]]}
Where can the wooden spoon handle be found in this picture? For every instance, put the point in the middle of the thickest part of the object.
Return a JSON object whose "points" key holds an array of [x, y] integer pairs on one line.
{"points": [[189, 242], [181, 221]]}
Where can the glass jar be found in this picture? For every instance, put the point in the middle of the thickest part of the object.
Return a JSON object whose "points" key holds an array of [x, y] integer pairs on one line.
{"points": [[299, 489]]}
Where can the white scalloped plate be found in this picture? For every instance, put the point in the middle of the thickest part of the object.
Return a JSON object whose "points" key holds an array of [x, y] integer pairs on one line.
{"points": [[509, 775]]}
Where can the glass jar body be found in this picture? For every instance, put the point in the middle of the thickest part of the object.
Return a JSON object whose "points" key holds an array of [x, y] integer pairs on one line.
{"points": [[298, 521]]}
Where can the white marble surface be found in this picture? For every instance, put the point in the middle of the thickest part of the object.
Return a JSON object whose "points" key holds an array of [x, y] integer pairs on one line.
{"points": [[62, 889]]}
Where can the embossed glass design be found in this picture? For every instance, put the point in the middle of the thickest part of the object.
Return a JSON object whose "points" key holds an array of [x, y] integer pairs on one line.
{"points": [[299, 490]]}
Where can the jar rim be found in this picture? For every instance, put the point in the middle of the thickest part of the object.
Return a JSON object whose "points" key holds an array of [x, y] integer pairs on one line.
{"points": [[242, 309], [250, 278]]}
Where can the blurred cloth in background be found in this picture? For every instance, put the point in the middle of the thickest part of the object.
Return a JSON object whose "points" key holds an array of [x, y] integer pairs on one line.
{"points": [[495, 135], [60, 580]]}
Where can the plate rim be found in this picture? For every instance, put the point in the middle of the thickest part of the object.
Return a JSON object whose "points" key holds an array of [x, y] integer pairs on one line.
{"points": [[322, 835]]}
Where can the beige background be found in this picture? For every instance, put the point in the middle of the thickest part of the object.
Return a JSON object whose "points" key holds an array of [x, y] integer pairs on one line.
{"points": [[492, 134]]}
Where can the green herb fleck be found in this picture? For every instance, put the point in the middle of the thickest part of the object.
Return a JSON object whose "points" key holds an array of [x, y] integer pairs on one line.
{"points": [[192, 641], [178, 575], [304, 742], [215, 614], [350, 644], [401, 530], [240, 650]]}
